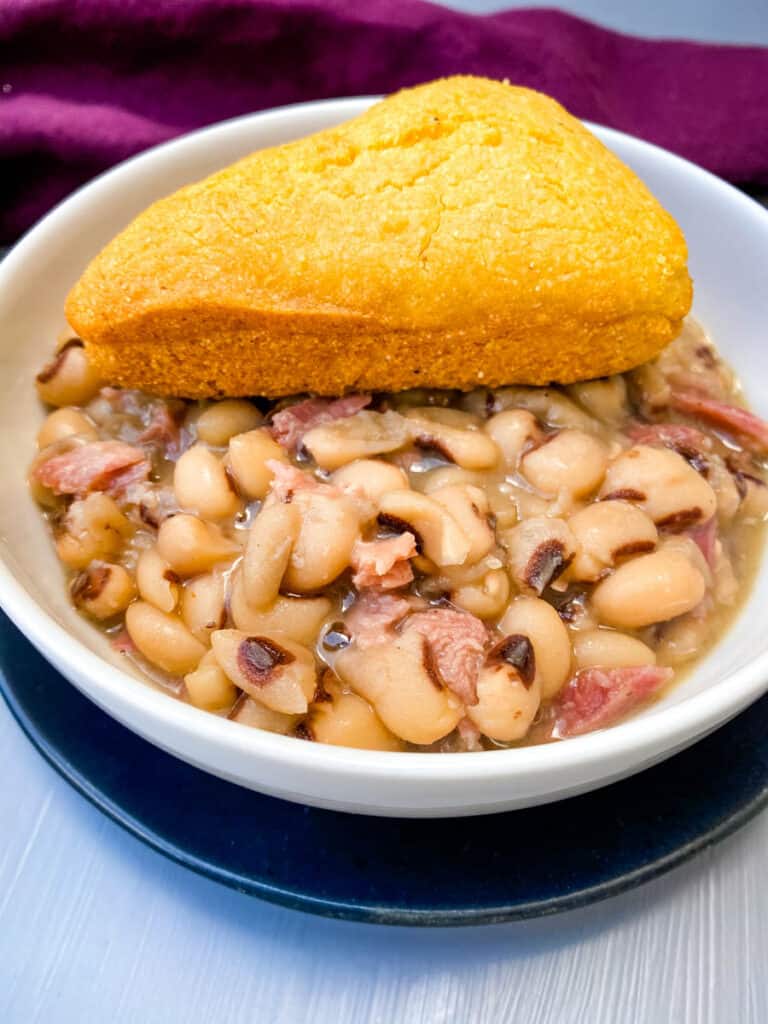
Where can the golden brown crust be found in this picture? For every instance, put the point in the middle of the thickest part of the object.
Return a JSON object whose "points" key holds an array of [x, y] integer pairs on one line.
{"points": [[460, 233]]}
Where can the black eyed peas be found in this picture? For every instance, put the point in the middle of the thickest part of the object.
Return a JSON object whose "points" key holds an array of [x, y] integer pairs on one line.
{"points": [[416, 571], [663, 484], [346, 720], [572, 461], [63, 423], [397, 679], [103, 590], [208, 687], [247, 460], [650, 588], [507, 702], [68, 379], [202, 486], [222, 421], [157, 582], [190, 545], [163, 639], [607, 532], [273, 669]]}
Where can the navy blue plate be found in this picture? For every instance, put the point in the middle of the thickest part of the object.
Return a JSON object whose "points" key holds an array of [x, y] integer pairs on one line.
{"points": [[393, 871]]}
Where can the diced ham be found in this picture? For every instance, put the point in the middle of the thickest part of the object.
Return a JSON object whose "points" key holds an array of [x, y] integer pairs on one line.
{"points": [[673, 435], [163, 430], [457, 641], [747, 428], [98, 466], [292, 423], [705, 535], [122, 643], [383, 563], [597, 697], [469, 735], [287, 480], [372, 616]]}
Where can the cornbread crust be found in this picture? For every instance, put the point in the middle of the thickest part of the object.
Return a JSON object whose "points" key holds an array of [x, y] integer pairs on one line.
{"points": [[463, 232]]}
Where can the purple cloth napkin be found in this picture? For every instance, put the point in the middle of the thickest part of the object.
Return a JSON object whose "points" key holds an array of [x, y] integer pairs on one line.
{"points": [[86, 83]]}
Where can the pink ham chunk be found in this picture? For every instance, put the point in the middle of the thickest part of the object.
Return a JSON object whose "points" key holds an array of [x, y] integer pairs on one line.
{"points": [[383, 563], [597, 697], [744, 426], [673, 435], [287, 480], [162, 430], [98, 466], [371, 618], [291, 424], [457, 641], [705, 536]]}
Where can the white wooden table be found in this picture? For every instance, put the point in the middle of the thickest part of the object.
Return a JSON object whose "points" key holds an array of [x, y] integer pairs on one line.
{"points": [[95, 927]]}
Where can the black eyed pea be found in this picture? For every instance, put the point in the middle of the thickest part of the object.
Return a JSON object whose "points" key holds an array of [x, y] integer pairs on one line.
{"points": [[336, 444], [754, 498], [502, 506], [445, 476], [274, 670], [247, 460], [607, 532], [538, 620], [723, 484], [93, 528], [103, 590], [548, 405], [203, 606], [201, 484], [683, 639], [157, 582], [369, 479], [572, 461], [607, 648], [687, 546], [461, 419], [394, 677], [514, 431], [508, 691], [487, 598], [191, 546], [468, 447], [68, 379], [468, 506], [267, 552], [438, 536], [647, 589], [662, 484], [605, 399], [223, 420], [256, 715], [299, 618], [346, 720], [163, 639], [329, 527], [208, 687], [540, 549], [63, 423]]}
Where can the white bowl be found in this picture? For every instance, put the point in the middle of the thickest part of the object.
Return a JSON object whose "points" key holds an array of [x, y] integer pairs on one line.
{"points": [[728, 238]]}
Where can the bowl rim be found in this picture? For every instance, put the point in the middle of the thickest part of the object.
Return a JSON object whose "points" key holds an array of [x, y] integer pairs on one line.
{"points": [[107, 684]]}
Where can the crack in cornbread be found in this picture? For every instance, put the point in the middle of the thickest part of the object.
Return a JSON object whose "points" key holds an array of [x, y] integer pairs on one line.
{"points": [[461, 232]]}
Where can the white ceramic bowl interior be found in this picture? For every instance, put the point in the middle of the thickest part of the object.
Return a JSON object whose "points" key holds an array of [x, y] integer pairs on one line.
{"points": [[728, 240]]}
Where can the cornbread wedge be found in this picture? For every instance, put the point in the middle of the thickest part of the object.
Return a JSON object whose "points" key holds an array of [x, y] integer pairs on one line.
{"points": [[463, 232]]}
